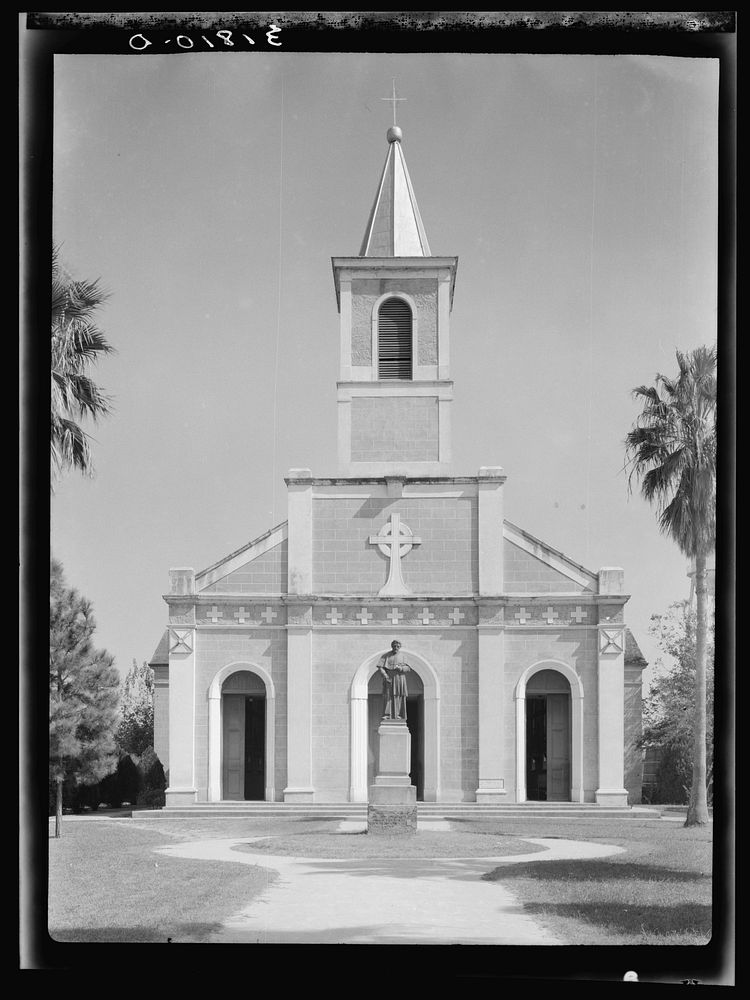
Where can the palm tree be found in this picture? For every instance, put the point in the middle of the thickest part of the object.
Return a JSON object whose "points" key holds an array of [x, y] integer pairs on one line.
{"points": [[76, 344], [672, 451]]}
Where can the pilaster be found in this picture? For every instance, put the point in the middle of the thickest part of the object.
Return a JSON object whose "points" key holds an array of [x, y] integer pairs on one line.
{"points": [[299, 704], [611, 697], [299, 491], [182, 652], [182, 640], [346, 329], [490, 530], [445, 284], [491, 676]]}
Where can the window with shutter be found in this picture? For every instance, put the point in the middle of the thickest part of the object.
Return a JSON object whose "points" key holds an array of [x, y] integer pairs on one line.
{"points": [[394, 339]]}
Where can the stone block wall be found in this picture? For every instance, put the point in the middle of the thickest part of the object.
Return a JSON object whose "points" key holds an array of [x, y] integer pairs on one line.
{"points": [[267, 574], [524, 573], [445, 562], [366, 292], [336, 658], [576, 647], [214, 650], [161, 713], [394, 428]]}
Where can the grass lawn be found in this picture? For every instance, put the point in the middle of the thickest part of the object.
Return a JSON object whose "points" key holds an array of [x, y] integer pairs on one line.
{"points": [[658, 892], [424, 844], [107, 883]]}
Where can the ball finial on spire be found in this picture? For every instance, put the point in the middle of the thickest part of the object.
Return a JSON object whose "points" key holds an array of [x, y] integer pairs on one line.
{"points": [[394, 134]]}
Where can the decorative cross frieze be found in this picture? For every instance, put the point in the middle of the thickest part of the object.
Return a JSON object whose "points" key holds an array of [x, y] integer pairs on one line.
{"points": [[456, 616], [214, 614], [551, 616], [611, 640], [334, 616], [268, 616], [580, 614], [241, 616], [181, 640], [521, 616], [364, 616], [394, 540], [395, 616], [427, 616]]}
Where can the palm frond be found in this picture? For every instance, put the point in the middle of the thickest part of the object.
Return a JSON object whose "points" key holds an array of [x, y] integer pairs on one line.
{"points": [[69, 447], [76, 344], [671, 450]]}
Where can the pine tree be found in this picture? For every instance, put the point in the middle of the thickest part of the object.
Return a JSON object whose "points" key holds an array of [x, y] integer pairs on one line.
{"points": [[83, 693], [136, 730]]}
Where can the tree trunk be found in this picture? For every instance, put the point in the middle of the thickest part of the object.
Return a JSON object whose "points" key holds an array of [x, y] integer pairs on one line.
{"points": [[58, 807], [697, 813]]}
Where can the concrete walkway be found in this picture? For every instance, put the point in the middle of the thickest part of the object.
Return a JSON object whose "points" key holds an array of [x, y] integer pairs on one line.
{"points": [[384, 901]]}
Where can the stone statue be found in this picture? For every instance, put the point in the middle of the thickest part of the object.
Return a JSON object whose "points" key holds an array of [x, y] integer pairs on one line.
{"points": [[394, 668]]}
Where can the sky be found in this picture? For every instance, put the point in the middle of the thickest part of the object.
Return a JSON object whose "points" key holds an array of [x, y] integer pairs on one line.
{"points": [[209, 191]]}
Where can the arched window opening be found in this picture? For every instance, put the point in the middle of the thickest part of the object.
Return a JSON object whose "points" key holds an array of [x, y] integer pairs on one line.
{"points": [[394, 340]]}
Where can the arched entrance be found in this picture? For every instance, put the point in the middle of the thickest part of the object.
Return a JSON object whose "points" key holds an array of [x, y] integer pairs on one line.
{"points": [[549, 734], [423, 707], [414, 720], [243, 756], [548, 738], [241, 712]]}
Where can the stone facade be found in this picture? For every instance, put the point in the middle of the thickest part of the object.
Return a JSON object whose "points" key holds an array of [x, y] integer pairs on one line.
{"points": [[524, 681], [560, 623]]}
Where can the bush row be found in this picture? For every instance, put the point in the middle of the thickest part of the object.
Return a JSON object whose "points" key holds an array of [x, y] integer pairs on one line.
{"points": [[137, 781]]}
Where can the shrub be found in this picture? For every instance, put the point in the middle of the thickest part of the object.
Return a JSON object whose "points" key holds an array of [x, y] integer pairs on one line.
{"points": [[128, 778], [110, 791], [152, 780], [86, 797]]}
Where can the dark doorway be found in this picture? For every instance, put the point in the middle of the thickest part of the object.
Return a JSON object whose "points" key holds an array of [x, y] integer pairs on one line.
{"points": [[255, 748], [548, 746], [244, 738], [536, 748], [414, 714]]}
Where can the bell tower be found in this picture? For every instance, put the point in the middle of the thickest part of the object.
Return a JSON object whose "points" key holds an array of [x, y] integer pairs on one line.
{"points": [[394, 302]]}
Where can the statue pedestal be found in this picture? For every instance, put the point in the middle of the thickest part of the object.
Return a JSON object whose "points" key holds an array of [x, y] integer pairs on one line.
{"points": [[392, 802]]}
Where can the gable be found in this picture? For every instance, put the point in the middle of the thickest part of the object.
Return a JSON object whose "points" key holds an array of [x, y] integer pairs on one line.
{"points": [[258, 568], [531, 567], [346, 560]]}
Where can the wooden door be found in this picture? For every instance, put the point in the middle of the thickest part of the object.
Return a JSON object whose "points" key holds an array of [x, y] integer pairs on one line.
{"points": [[558, 748], [233, 776]]}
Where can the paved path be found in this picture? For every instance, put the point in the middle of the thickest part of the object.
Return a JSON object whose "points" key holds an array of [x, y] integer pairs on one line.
{"points": [[384, 901]]}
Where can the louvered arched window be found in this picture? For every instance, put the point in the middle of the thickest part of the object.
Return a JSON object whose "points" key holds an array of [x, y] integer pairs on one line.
{"points": [[394, 339]]}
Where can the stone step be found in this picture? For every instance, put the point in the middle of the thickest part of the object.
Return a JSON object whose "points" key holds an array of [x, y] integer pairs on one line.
{"points": [[427, 810]]}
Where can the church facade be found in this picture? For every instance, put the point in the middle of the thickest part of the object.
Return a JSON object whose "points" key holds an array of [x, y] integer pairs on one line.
{"points": [[525, 683]]}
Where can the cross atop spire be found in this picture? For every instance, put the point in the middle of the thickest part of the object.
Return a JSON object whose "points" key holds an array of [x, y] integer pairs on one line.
{"points": [[393, 99]]}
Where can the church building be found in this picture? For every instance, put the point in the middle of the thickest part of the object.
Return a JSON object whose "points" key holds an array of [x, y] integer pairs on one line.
{"points": [[525, 683]]}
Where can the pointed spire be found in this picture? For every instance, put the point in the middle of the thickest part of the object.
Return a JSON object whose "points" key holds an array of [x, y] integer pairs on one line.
{"points": [[395, 228]]}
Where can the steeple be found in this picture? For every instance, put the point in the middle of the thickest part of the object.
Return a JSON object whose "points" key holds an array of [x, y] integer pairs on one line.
{"points": [[395, 228], [394, 389]]}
